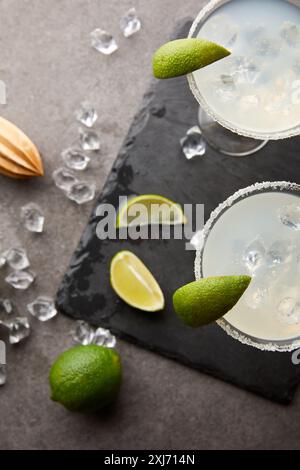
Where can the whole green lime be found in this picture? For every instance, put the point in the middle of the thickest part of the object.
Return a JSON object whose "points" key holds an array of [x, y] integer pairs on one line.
{"points": [[86, 378], [205, 301]]}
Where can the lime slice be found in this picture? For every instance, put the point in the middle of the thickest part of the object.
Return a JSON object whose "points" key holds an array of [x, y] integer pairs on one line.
{"points": [[205, 301], [184, 56], [150, 209], [134, 283]]}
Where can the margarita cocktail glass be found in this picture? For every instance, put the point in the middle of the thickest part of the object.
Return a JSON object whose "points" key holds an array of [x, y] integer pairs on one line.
{"points": [[253, 95], [256, 232]]}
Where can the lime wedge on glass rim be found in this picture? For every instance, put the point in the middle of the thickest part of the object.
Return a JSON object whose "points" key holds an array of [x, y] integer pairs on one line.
{"points": [[207, 300], [150, 209], [183, 56], [133, 282]]}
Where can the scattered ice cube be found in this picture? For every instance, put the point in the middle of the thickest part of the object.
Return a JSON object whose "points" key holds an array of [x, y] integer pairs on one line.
{"points": [[130, 24], [221, 29], [89, 140], [290, 216], [83, 333], [86, 114], [6, 306], [279, 253], [254, 255], [42, 308], [17, 259], [20, 280], [75, 159], [110, 342], [103, 42], [33, 218], [82, 192], [104, 337], [64, 178], [2, 374], [193, 144], [19, 329], [290, 32], [289, 311]]}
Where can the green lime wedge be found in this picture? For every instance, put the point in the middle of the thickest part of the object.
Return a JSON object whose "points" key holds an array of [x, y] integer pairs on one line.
{"points": [[205, 301], [184, 56]]}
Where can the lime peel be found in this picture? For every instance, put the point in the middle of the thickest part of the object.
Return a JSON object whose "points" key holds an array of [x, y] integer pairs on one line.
{"points": [[207, 300], [183, 56]]}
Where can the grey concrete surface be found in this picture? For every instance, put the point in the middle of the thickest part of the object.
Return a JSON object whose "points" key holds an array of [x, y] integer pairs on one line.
{"points": [[49, 68]]}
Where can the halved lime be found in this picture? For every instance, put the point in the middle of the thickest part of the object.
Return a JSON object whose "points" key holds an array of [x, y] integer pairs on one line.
{"points": [[205, 301], [150, 209], [184, 56], [134, 283]]}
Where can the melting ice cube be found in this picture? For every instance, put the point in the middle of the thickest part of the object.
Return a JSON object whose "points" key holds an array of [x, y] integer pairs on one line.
{"points": [[42, 308], [86, 114], [17, 259], [290, 216], [33, 218], [130, 23], [83, 333], [82, 192], [254, 254], [193, 144], [279, 253], [290, 32], [103, 42], [19, 329]]}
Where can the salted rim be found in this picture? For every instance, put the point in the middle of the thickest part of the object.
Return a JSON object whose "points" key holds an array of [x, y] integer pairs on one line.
{"points": [[204, 13], [264, 345]]}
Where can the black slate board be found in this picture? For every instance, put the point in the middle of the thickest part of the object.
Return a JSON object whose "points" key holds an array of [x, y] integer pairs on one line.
{"points": [[151, 161]]}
